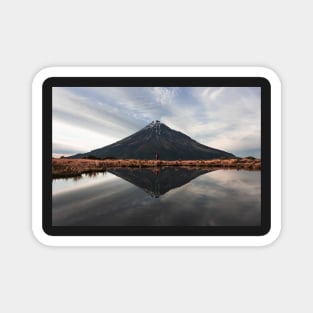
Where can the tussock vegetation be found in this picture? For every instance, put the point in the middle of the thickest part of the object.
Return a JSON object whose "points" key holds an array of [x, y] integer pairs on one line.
{"points": [[62, 168]]}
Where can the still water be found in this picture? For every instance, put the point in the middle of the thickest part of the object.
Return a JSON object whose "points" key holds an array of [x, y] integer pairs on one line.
{"points": [[159, 197]]}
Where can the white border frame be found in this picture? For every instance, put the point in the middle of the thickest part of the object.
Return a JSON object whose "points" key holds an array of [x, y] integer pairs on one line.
{"points": [[156, 240]]}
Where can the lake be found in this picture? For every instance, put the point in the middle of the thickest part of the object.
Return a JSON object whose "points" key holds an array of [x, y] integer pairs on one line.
{"points": [[169, 196]]}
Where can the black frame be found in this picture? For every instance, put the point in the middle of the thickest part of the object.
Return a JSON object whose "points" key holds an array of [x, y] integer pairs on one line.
{"points": [[261, 230]]}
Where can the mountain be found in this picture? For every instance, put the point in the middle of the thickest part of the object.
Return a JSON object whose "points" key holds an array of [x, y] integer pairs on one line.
{"points": [[156, 137]]}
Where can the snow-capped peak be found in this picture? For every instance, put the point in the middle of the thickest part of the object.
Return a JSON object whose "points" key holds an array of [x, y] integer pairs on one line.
{"points": [[155, 123], [156, 126]]}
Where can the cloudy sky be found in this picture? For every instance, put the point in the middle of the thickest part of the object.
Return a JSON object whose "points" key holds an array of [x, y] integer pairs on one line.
{"points": [[226, 118]]}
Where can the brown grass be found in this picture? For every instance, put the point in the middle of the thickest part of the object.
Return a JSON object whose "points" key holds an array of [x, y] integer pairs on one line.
{"points": [[62, 168]]}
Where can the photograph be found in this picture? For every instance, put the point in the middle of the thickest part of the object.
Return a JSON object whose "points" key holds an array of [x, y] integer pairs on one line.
{"points": [[156, 156]]}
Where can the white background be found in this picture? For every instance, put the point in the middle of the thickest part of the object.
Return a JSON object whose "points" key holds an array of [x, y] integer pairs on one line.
{"points": [[37, 34]]}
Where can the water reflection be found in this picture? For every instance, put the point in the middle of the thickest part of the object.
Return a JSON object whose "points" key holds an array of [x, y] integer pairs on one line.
{"points": [[168, 197], [158, 181]]}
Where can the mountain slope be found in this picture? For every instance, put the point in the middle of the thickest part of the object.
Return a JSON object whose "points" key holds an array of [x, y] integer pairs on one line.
{"points": [[157, 138]]}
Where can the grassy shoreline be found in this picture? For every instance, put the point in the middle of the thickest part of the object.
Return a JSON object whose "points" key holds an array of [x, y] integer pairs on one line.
{"points": [[63, 168]]}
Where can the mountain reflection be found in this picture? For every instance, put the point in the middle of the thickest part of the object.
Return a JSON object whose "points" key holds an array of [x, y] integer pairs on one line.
{"points": [[158, 181], [221, 198]]}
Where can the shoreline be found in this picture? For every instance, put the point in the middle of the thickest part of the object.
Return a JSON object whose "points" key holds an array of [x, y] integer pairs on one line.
{"points": [[66, 168]]}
